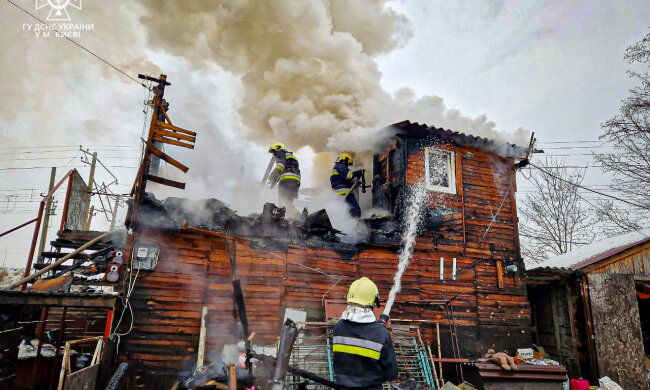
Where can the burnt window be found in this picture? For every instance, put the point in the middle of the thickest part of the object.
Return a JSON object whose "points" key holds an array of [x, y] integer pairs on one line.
{"points": [[440, 166]]}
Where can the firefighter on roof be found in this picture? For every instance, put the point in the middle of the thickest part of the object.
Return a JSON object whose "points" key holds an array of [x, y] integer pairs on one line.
{"points": [[342, 179], [286, 175], [364, 356]]}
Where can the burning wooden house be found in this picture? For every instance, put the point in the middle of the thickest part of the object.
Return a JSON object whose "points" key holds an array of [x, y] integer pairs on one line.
{"points": [[465, 279]]}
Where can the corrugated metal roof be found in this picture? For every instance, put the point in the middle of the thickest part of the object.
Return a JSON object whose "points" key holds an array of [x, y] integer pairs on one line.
{"points": [[595, 252], [503, 149]]}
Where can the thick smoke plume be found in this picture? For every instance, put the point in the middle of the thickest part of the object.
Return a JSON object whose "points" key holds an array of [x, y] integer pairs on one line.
{"points": [[308, 67]]}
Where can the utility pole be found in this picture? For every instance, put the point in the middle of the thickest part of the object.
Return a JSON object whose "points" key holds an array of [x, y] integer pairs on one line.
{"points": [[90, 217], [48, 211], [117, 204], [91, 179]]}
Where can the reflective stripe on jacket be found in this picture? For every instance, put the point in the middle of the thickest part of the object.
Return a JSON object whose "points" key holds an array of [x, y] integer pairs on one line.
{"points": [[286, 167], [341, 177], [364, 355]]}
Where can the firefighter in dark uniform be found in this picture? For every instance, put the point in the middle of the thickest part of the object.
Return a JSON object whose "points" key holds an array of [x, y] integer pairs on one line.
{"points": [[341, 179], [364, 356], [286, 175]]}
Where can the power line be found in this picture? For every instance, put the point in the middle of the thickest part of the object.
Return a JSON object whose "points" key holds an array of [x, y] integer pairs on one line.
{"points": [[580, 147], [79, 166], [65, 158], [66, 151], [77, 44], [588, 189], [570, 142], [67, 146], [548, 238]]}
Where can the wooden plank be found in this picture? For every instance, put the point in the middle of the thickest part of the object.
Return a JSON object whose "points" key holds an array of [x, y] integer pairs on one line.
{"points": [[168, 159], [174, 128], [172, 142], [499, 265], [166, 133], [166, 182], [165, 114]]}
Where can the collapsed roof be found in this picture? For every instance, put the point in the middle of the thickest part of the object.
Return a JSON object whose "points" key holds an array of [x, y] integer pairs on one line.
{"points": [[214, 215]]}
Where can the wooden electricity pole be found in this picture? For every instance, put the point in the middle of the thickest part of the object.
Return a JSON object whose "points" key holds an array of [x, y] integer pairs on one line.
{"points": [[48, 211], [117, 204], [91, 179]]}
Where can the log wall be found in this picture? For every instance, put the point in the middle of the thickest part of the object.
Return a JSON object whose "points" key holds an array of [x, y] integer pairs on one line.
{"points": [[490, 305]]}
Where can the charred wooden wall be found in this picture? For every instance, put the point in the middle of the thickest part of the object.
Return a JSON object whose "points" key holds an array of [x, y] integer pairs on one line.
{"points": [[193, 271], [490, 304], [461, 225]]}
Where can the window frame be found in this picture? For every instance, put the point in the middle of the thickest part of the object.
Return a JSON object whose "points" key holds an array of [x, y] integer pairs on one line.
{"points": [[451, 174]]}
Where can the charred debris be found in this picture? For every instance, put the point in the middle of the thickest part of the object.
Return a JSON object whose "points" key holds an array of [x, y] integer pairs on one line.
{"points": [[271, 225]]}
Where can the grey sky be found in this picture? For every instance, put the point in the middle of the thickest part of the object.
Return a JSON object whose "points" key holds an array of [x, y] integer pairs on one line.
{"points": [[552, 67]]}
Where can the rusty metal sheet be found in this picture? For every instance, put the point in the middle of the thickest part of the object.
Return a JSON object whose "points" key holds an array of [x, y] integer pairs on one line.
{"points": [[55, 284], [84, 379]]}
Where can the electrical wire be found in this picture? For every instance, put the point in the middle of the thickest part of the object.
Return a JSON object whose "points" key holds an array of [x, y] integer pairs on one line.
{"points": [[79, 166], [570, 142], [66, 146], [77, 44], [588, 189], [126, 304]]}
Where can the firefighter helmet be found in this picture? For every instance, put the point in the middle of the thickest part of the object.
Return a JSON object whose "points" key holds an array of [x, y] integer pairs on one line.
{"points": [[276, 147], [345, 158], [363, 292]]}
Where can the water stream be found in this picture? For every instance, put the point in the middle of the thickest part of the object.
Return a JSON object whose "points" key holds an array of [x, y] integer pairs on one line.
{"points": [[413, 217]]}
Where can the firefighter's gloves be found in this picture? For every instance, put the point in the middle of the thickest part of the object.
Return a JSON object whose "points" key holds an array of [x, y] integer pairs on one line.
{"points": [[384, 319], [500, 359]]}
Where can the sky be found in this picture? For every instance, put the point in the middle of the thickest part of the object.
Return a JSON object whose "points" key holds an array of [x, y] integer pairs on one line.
{"points": [[551, 67]]}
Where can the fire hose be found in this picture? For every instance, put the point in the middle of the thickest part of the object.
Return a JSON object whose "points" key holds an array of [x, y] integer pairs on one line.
{"points": [[360, 181]]}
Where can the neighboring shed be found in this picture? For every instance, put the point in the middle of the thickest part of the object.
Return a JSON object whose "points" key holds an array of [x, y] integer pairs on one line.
{"points": [[589, 312]]}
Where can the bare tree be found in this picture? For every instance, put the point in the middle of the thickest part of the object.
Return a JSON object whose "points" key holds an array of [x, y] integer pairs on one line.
{"points": [[555, 219], [628, 134]]}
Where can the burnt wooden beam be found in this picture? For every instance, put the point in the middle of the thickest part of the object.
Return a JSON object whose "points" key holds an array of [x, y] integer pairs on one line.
{"points": [[175, 128], [168, 159], [163, 140], [54, 300], [165, 182]]}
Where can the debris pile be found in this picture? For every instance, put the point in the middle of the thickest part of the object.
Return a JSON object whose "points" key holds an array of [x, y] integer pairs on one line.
{"points": [[273, 222]]}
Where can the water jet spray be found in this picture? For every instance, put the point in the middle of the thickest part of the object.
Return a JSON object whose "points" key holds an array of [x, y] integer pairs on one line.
{"points": [[412, 219]]}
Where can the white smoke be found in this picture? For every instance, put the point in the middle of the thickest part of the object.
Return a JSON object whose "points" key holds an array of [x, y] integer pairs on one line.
{"points": [[308, 68]]}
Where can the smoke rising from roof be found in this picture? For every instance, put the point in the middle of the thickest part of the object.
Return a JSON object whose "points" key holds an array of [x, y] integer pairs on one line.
{"points": [[308, 67]]}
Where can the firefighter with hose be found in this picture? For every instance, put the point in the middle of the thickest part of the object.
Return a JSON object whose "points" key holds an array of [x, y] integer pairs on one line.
{"points": [[286, 175], [343, 182], [364, 356]]}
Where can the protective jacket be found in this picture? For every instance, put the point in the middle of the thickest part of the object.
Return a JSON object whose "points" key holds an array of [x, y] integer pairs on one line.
{"points": [[364, 355], [341, 178], [286, 168]]}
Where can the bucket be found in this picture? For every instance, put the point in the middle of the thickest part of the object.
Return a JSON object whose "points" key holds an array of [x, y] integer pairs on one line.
{"points": [[579, 384]]}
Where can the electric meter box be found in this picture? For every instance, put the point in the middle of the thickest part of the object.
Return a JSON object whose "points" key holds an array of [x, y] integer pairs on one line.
{"points": [[145, 256]]}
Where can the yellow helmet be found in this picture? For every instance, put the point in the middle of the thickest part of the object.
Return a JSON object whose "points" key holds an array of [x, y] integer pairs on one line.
{"points": [[363, 292], [276, 147], [345, 156]]}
